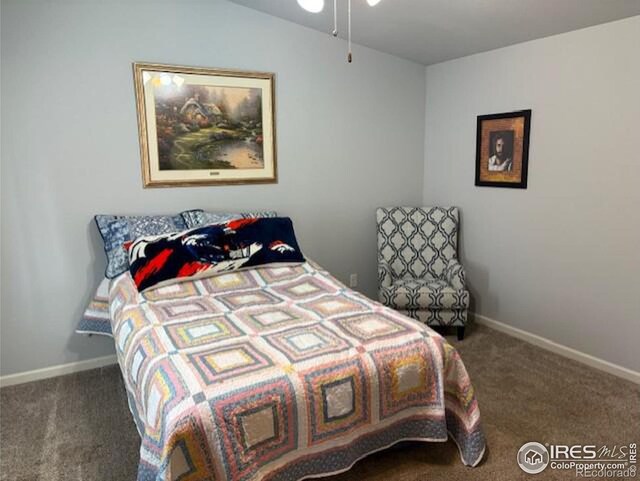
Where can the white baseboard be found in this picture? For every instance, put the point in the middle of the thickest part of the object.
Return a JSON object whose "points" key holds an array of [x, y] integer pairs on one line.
{"points": [[544, 343], [54, 371]]}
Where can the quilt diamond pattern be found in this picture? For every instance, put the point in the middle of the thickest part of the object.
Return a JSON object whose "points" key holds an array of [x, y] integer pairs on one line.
{"points": [[371, 326], [163, 390], [305, 288], [257, 426], [238, 300], [274, 274], [231, 281], [407, 378], [171, 292], [145, 349], [203, 331], [222, 363], [184, 309], [302, 343], [338, 399], [270, 318], [332, 305]]}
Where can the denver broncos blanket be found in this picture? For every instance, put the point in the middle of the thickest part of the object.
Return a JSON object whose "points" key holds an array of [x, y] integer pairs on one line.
{"points": [[207, 250]]}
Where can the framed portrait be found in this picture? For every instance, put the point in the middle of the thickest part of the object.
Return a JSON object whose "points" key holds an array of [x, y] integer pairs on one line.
{"points": [[205, 126], [502, 149]]}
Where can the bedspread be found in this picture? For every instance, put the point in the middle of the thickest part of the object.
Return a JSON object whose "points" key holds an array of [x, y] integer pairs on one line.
{"points": [[281, 373]]}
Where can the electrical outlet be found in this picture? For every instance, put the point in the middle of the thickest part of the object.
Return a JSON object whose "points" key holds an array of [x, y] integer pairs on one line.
{"points": [[353, 280]]}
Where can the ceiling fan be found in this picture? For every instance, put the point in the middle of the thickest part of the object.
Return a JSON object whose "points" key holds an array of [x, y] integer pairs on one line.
{"points": [[316, 6]]}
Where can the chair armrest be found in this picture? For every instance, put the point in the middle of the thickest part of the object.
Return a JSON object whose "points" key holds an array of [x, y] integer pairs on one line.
{"points": [[454, 275], [384, 274]]}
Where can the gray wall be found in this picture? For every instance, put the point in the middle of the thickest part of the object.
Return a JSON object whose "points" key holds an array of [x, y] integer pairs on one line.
{"points": [[350, 138], [561, 258]]}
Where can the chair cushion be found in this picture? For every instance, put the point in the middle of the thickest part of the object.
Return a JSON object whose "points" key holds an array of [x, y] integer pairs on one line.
{"points": [[424, 294], [437, 317]]}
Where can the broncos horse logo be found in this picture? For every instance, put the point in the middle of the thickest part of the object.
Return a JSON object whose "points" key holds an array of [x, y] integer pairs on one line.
{"points": [[280, 247]]}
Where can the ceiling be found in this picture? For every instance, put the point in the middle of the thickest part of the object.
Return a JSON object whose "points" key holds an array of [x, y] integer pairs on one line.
{"points": [[432, 31]]}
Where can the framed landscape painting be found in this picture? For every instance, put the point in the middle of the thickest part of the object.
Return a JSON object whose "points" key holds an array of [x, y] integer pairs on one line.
{"points": [[502, 149], [203, 126]]}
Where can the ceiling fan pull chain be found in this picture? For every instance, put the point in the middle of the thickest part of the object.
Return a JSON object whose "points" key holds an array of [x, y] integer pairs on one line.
{"points": [[335, 18], [316, 6], [350, 56]]}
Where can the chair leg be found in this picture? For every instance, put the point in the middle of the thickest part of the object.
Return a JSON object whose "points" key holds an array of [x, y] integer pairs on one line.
{"points": [[460, 333], [439, 329]]}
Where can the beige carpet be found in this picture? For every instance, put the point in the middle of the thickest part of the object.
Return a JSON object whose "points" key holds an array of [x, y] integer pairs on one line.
{"points": [[78, 427]]}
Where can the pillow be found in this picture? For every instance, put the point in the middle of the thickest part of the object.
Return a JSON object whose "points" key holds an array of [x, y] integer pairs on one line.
{"points": [[96, 319], [118, 229], [198, 217], [215, 248]]}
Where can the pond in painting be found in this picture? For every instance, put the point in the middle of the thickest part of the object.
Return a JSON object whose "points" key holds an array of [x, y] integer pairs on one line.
{"points": [[206, 127]]}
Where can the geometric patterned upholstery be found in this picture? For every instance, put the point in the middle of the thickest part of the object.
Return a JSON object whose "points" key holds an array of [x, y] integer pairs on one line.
{"points": [[418, 293], [418, 269]]}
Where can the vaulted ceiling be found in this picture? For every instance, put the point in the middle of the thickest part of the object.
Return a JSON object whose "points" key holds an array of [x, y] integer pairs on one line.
{"points": [[431, 31]]}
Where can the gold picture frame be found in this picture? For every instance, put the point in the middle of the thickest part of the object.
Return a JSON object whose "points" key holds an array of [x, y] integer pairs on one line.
{"points": [[205, 126], [502, 149]]}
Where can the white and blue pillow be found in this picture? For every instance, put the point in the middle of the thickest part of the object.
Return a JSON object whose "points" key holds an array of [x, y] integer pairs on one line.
{"points": [[118, 229], [198, 217]]}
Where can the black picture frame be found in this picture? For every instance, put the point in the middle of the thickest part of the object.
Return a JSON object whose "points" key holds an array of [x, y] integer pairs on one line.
{"points": [[483, 178]]}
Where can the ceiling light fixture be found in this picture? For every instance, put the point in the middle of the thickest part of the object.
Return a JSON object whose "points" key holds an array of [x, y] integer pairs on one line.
{"points": [[313, 6], [316, 6]]}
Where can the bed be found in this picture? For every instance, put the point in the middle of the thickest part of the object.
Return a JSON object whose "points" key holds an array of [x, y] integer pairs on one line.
{"points": [[281, 373]]}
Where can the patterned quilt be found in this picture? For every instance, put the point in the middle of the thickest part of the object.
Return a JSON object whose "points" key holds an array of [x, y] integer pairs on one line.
{"points": [[281, 373]]}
